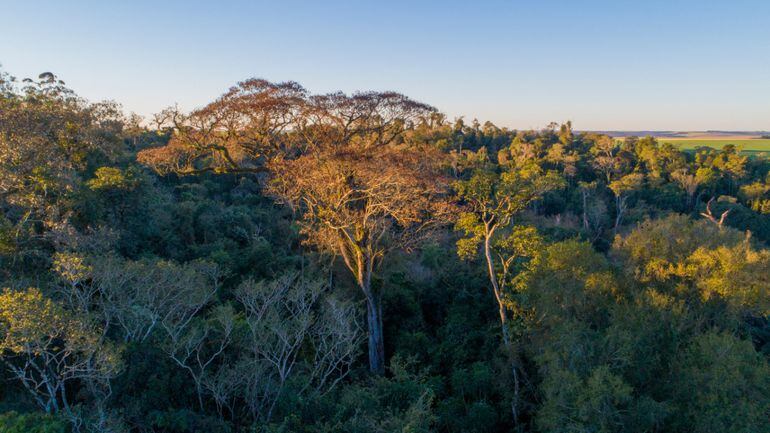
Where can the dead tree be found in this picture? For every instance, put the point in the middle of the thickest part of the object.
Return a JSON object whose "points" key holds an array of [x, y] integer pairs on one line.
{"points": [[710, 216]]}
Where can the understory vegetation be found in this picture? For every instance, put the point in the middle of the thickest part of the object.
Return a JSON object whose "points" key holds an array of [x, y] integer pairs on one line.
{"points": [[281, 261]]}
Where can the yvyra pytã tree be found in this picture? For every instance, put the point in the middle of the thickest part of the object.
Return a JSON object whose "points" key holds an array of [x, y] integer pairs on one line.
{"points": [[363, 189], [343, 162], [237, 133]]}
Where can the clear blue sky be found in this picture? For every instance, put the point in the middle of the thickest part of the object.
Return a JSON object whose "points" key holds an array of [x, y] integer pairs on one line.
{"points": [[683, 65]]}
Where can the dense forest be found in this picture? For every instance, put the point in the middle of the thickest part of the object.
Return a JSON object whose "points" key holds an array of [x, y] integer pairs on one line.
{"points": [[283, 261]]}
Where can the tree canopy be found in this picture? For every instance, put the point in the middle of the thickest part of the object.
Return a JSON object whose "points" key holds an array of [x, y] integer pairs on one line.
{"points": [[284, 261]]}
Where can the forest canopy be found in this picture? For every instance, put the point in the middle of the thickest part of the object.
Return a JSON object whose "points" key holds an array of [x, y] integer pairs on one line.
{"points": [[284, 261]]}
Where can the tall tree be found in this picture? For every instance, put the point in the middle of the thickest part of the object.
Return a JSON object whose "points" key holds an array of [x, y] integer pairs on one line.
{"points": [[622, 188], [492, 201], [343, 162], [362, 188], [48, 137]]}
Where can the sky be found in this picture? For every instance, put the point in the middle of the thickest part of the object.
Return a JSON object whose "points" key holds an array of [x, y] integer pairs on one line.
{"points": [[604, 65]]}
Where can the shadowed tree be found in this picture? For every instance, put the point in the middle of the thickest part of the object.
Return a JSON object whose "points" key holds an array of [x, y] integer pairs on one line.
{"points": [[724, 385], [49, 349], [690, 183], [622, 188]]}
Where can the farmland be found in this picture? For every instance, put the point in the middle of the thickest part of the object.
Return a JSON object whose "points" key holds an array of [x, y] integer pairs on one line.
{"points": [[749, 146], [747, 143]]}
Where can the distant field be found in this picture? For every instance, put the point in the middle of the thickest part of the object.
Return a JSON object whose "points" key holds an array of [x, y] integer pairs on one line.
{"points": [[754, 146]]}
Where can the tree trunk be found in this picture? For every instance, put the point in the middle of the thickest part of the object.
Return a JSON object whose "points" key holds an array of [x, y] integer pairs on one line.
{"points": [[362, 267], [619, 201], [495, 285], [696, 201], [503, 322], [585, 210], [376, 340]]}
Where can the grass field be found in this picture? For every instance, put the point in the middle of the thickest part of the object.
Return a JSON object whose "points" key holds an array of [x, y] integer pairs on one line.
{"points": [[749, 146]]}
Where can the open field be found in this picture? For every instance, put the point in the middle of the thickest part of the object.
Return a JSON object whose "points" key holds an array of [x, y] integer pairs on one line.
{"points": [[747, 143], [752, 146], [688, 135]]}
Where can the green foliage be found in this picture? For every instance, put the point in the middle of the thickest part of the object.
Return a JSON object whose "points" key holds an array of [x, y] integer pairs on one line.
{"points": [[604, 342], [600, 402], [111, 178], [721, 384], [626, 306], [401, 403], [35, 422], [185, 421], [700, 261]]}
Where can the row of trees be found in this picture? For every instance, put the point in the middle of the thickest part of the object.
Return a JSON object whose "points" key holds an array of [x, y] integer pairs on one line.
{"points": [[194, 273]]}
